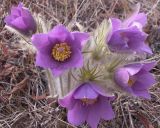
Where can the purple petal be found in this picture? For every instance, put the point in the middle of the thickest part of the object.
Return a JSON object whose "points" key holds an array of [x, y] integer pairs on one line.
{"points": [[45, 60], [68, 101], [19, 24], [116, 24], [20, 5], [118, 42], [129, 90], [85, 91], [143, 94], [76, 59], [136, 19], [106, 109], [60, 33], [78, 114], [8, 20], [133, 68], [57, 71], [41, 42], [121, 77], [15, 11], [101, 91], [29, 20], [80, 38], [141, 18], [136, 38], [149, 66], [144, 81], [146, 48], [94, 114], [128, 40]]}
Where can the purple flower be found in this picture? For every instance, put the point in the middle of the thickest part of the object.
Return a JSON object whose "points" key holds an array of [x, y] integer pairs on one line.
{"points": [[127, 36], [135, 78], [21, 20], [89, 103], [59, 49]]}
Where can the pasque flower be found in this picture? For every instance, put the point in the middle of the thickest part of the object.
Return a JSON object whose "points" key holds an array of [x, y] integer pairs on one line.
{"points": [[135, 78], [59, 49], [88, 102], [21, 20], [128, 36]]}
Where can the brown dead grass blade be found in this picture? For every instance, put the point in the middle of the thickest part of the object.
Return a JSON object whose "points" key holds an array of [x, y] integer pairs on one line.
{"points": [[41, 97], [20, 86], [144, 120]]}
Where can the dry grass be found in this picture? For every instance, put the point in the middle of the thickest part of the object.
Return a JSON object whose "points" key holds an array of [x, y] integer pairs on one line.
{"points": [[23, 87]]}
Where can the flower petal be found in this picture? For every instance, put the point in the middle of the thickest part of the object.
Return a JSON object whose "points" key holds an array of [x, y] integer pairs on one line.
{"points": [[106, 109], [129, 90], [117, 42], [121, 77], [68, 101], [8, 19], [85, 91], [116, 24], [136, 38], [60, 33], [44, 60], [148, 66], [144, 81], [146, 48], [133, 68], [19, 24], [80, 38], [143, 94], [57, 71], [78, 114], [76, 59], [141, 18], [15, 11], [41, 42], [94, 114], [101, 91], [29, 20]]}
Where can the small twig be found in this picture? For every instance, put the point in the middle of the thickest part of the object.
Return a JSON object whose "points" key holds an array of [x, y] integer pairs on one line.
{"points": [[66, 123], [125, 121], [130, 117], [153, 7]]}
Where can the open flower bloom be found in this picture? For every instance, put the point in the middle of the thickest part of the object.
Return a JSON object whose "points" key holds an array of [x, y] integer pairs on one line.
{"points": [[59, 49], [21, 20], [135, 78], [127, 36], [88, 102]]}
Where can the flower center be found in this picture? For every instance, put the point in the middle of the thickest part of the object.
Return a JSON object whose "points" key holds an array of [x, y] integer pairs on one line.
{"points": [[125, 38], [131, 82], [87, 101], [61, 52]]}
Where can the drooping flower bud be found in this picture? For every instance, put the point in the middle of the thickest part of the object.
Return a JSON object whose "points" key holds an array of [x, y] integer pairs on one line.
{"points": [[21, 20]]}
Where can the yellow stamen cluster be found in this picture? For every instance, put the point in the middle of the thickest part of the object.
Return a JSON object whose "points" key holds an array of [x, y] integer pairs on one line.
{"points": [[87, 101], [130, 82], [61, 52]]}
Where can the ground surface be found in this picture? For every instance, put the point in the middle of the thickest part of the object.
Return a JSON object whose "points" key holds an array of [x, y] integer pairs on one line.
{"points": [[23, 87]]}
